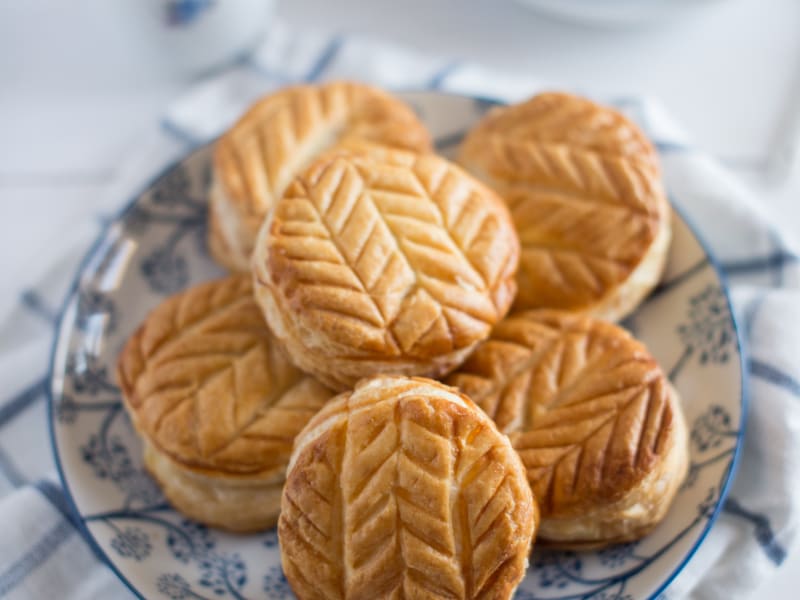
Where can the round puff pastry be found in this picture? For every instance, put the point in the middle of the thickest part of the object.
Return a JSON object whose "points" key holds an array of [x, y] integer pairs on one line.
{"points": [[258, 157], [584, 188], [390, 262], [216, 404], [598, 426], [403, 488]]}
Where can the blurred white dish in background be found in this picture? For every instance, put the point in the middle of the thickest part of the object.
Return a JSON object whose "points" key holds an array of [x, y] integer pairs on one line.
{"points": [[616, 13], [194, 36]]}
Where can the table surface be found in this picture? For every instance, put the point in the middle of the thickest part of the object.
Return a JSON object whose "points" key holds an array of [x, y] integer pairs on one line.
{"points": [[74, 98]]}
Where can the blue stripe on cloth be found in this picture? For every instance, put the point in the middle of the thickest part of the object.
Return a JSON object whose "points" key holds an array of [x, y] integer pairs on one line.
{"points": [[666, 147], [34, 303], [763, 530], [35, 557], [179, 133], [438, 78], [9, 469], [775, 376], [777, 275], [15, 405], [325, 59], [56, 496], [753, 265]]}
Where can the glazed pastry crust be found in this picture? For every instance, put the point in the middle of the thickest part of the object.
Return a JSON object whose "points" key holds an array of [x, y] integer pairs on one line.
{"points": [[404, 488], [598, 426], [385, 262], [217, 403], [258, 157], [584, 188]]}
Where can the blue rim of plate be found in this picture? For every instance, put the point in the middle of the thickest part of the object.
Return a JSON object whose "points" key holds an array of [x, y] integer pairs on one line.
{"points": [[78, 520]]}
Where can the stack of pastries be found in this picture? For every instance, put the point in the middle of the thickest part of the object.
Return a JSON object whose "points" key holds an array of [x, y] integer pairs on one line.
{"points": [[366, 265]]}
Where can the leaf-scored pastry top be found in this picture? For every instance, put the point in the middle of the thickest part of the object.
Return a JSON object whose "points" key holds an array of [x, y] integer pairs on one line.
{"points": [[391, 255], [586, 406], [206, 383], [280, 134], [403, 488], [558, 118], [584, 188]]}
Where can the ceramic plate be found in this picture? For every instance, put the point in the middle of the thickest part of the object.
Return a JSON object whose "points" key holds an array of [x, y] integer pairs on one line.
{"points": [[157, 247]]}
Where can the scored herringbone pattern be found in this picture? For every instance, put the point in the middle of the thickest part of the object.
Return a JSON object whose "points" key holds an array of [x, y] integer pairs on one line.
{"points": [[272, 142], [405, 498], [206, 382], [401, 256], [584, 189], [564, 119], [583, 403]]}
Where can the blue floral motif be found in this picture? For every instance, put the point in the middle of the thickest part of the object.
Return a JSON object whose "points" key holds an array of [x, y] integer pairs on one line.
{"points": [[709, 503], [166, 271], [171, 203], [276, 585], [271, 539], [556, 569], [174, 586], [94, 305], [132, 542], [66, 410], [88, 376], [711, 429], [614, 557], [173, 188], [709, 331], [109, 458], [137, 219], [192, 539], [222, 573]]}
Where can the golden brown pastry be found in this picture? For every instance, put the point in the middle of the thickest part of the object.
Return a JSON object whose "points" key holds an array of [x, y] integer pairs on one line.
{"points": [[584, 188], [598, 426], [260, 155], [403, 488], [391, 262], [216, 404]]}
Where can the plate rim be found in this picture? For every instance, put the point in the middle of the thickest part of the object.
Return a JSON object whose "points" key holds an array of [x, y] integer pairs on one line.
{"points": [[127, 206]]}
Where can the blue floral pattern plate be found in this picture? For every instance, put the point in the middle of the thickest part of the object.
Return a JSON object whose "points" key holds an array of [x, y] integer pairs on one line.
{"points": [[157, 247]]}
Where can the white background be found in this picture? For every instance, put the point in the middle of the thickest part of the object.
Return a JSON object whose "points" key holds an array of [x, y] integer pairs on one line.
{"points": [[77, 88]]}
